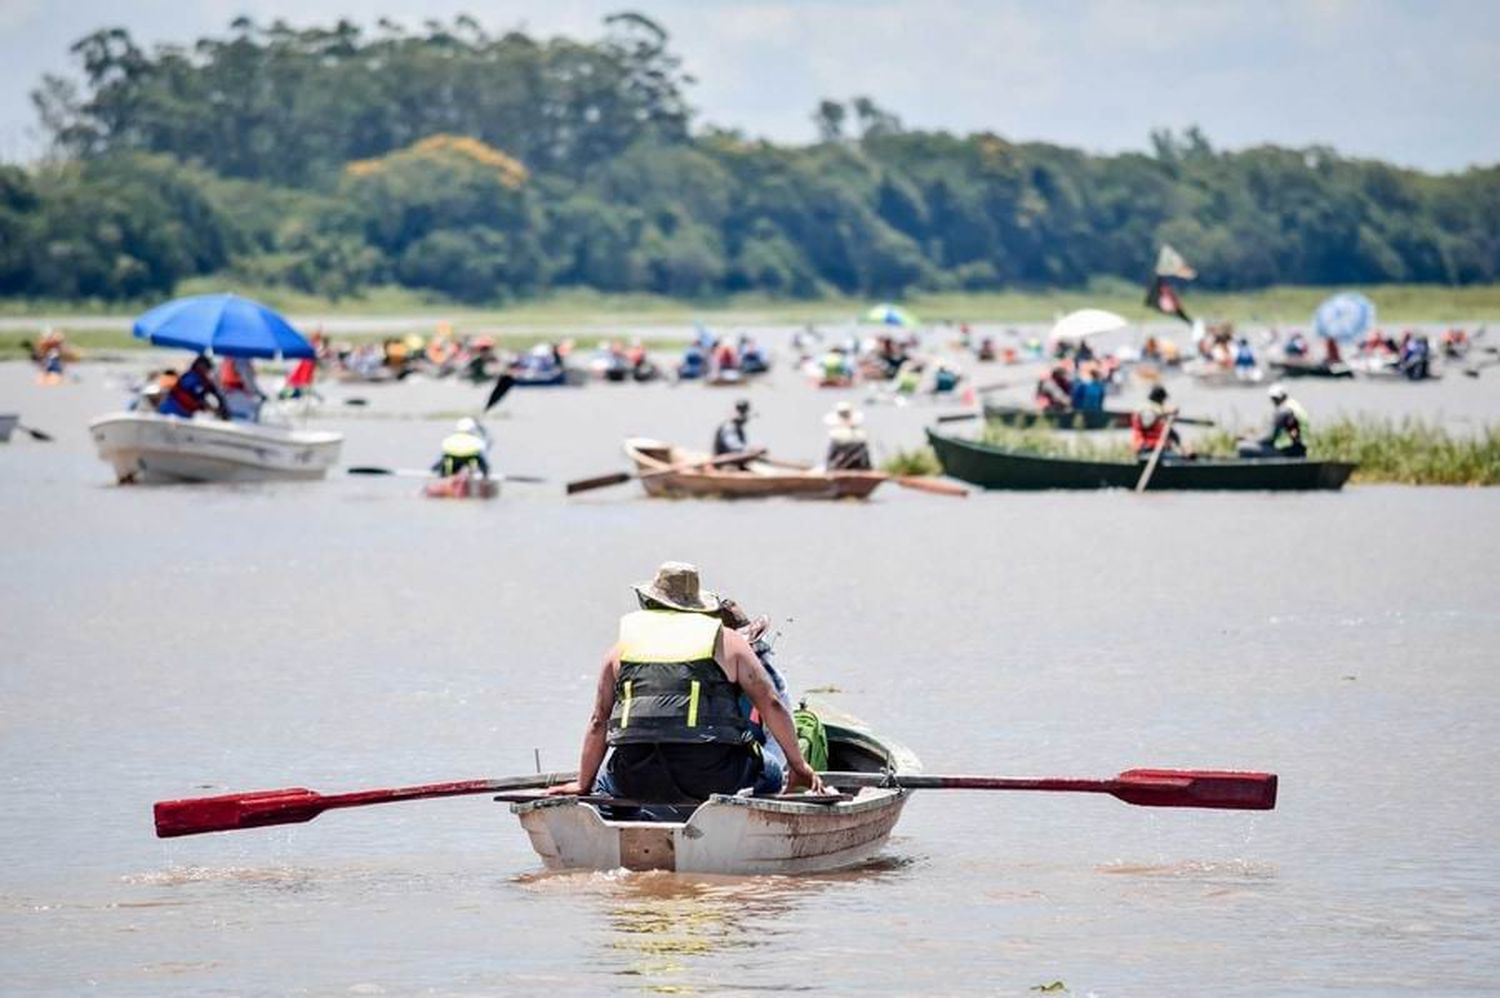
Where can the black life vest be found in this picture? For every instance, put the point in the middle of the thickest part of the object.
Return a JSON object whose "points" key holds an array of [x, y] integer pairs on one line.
{"points": [[669, 688]]}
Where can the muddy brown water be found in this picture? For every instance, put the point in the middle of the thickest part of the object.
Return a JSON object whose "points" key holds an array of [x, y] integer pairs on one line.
{"points": [[164, 642]]}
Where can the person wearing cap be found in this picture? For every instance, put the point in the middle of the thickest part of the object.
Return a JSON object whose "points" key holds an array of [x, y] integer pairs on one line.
{"points": [[1287, 434], [1149, 423], [667, 705], [847, 446], [730, 438], [464, 450]]}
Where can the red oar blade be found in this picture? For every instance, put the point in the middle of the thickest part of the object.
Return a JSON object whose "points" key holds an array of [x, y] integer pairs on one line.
{"points": [[1197, 788], [197, 815]]}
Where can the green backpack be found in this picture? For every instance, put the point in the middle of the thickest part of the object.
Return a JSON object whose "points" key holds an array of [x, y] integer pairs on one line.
{"points": [[812, 739]]}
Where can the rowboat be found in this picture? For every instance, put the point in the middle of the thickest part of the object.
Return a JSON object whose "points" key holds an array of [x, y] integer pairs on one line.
{"points": [[8, 421], [462, 486], [734, 835], [147, 447], [998, 468], [762, 477]]}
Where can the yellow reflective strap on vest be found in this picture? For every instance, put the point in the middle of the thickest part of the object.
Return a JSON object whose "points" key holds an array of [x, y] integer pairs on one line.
{"points": [[625, 706], [693, 705], [667, 636]]}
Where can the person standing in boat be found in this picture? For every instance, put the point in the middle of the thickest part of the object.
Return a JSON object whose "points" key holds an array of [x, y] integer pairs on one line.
{"points": [[191, 392], [241, 389], [1287, 434], [1149, 423], [730, 438], [848, 449], [667, 705], [465, 450], [1088, 390]]}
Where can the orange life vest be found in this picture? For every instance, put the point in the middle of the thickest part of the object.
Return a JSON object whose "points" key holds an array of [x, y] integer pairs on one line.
{"points": [[1143, 437]]}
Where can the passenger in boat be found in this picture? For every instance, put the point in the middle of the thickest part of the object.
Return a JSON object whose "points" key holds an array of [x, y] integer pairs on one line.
{"points": [[1287, 434], [1148, 424], [667, 705], [836, 366], [848, 449], [1416, 357], [191, 392], [730, 438], [1054, 393], [1088, 391], [465, 449], [241, 390], [945, 379]]}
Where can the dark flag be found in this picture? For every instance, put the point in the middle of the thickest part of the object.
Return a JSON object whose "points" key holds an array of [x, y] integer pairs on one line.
{"points": [[1162, 297]]}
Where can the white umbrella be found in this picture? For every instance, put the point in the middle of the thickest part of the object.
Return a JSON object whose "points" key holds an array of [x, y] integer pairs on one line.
{"points": [[1086, 322]]}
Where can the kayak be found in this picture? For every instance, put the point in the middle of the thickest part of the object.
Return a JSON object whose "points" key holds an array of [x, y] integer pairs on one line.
{"points": [[763, 477], [730, 834], [148, 447], [462, 486], [998, 468]]}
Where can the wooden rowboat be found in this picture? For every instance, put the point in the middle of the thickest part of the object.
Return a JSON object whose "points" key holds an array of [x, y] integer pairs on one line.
{"points": [[732, 834], [763, 477], [462, 486], [998, 468]]}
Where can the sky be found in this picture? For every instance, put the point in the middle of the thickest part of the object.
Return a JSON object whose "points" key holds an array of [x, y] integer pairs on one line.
{"points": [[1415, 82]]}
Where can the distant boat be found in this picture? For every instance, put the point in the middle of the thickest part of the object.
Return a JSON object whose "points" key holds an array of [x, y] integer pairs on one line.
{"points": [[147, 447]]}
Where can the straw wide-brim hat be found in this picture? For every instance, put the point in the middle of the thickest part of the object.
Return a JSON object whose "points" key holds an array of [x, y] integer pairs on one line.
{"points": [[676, 586]]}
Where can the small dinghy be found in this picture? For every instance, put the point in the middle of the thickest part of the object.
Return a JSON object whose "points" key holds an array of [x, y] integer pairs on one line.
{"points": [[731, 834], [462, 486]]}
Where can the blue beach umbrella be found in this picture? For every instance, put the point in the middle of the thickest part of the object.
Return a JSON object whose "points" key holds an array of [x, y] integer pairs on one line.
{"points": [[223, 325], [1345, 316], [891, 315]]}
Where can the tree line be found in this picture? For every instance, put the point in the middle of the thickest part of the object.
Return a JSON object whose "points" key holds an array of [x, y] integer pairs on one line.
{"points": [[483, 167]]}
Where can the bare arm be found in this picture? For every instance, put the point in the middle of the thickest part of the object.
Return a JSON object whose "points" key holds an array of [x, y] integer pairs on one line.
{"points": [[746, 670], [592, 755]]}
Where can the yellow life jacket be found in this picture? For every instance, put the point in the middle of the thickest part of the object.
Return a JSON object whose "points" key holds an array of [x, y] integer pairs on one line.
{"points": [[669, 687]]}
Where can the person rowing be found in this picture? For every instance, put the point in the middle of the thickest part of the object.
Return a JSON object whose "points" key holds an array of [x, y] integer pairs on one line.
{"points": [[465, 450], [730, 437], [1149, 423], [848, 449], [666, 724], [1287, 434]]}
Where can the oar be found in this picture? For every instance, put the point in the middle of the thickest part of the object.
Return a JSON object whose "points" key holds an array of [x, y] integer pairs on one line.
{"points": [[292, 805], [958, 417], [621, 477], [364, 469], [35, 433], [502, 385], [1161, 445], [929, 483], [1144, 787]]}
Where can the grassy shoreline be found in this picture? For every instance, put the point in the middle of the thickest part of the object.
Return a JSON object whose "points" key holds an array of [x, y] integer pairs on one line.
{"points": [[1397, 303], [1405, 452]]}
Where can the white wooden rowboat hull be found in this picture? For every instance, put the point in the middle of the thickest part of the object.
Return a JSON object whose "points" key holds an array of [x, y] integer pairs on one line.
{"points": [[146, 447], [733, 835]]}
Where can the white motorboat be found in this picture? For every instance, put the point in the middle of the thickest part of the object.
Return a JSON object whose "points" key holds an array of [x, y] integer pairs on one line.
{"points": [[148, 447]]}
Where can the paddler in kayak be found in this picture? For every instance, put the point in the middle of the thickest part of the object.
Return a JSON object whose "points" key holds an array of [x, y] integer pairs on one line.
{"points": [[191, 392], [464, 450], [848, 449], [1287, 434], [1149, 423], [667, 704]]}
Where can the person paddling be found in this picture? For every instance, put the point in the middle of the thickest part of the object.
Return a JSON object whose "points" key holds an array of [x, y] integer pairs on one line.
{"points": [[1287, 434], [730, 438], [1149, 423], [464, 450], [667, 705]]}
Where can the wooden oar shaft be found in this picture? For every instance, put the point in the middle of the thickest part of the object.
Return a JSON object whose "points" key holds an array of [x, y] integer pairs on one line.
{"points": [[291, 805], [1142, 787], [621, 477]]}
